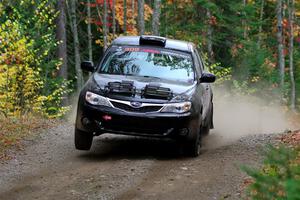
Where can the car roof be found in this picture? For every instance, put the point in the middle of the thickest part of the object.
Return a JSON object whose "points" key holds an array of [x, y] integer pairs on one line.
{"points": [[170, 43]]}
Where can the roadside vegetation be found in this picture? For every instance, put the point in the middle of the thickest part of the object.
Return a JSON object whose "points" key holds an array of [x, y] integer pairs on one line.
{"points": [[279, 176]]}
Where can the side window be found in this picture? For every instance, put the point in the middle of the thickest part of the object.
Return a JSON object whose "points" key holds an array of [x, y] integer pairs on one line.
{"points": [[200, 61], [197, 64]]}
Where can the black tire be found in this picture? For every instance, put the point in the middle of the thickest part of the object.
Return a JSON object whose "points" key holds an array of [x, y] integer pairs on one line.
{"points": [[212, 116], [192, 148], [205, 130], [83, 140]]}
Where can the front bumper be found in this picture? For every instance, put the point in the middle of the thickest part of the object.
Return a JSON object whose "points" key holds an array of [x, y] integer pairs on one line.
{"points": [[100, 120]]}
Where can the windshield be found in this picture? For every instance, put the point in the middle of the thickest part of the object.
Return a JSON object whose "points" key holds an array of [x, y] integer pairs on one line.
{"points": [[149, 62]]}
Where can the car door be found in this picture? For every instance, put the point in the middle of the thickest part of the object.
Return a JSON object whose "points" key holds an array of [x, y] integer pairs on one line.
{"points": [[206, 91], [198, 95]]}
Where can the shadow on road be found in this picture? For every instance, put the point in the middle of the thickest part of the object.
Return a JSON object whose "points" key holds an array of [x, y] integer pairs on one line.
{"points": [[111, 147]]}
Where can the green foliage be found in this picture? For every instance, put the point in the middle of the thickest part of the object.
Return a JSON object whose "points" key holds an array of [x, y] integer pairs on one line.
{"points": [[27, 42], [242, 88], [223, 74], [279, 178], [241, 38]]}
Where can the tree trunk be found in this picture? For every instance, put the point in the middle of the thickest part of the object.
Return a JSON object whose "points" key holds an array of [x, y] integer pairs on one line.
{"points": [[209, 38], [244, 21], [76, 44], [261, 17], [62, 37], [281, 61], [114, 17], [291, 7], [133, 8], [90, 47], [125, 16], [105, 26], [141, 20], [155, 17]]}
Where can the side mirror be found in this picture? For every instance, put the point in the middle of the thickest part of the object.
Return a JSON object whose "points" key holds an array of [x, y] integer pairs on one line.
{"points": [[207, 78], [87, 66]]}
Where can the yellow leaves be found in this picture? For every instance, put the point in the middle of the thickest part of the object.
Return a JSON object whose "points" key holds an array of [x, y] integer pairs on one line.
{"points": [[100, 42], [179, 3], [131, 16], [20, 82]]}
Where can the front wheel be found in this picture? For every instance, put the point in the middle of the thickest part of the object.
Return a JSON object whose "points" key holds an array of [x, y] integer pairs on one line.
{"points": [[83, 140], [192, 147]]}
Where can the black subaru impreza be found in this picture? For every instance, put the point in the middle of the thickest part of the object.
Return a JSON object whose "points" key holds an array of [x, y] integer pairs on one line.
{"points": [[147, 86]]}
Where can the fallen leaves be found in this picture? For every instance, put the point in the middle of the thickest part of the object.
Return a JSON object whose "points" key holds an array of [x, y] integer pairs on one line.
{"points": [[291, 138], [13, 131]]}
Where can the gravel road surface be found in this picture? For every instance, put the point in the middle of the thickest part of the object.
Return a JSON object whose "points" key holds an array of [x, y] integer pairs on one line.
{"points": [[120, 167]]}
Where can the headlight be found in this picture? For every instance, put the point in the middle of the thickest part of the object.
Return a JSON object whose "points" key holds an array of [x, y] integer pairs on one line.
{"points": [[96, 99], [177, 107]]}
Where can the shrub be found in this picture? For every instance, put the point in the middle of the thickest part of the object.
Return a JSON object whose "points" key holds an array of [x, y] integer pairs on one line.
{"points": [[27, 63], [279, 178]]}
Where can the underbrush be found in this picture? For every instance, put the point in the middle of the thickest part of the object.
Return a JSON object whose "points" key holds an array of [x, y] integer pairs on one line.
{"points": [[14, 130], [279, 177]]}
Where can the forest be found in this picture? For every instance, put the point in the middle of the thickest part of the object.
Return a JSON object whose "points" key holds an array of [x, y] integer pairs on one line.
{"points": [[251, 45]]}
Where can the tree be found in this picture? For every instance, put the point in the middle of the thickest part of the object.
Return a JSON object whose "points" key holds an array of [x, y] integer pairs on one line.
{"points": [[261, 16], [62, 37], [141, 21], [125, 16], [114, 17], [105, 26], [155, 17], [281, 60], [28, 61], [291, 10], [210, 36], [73, 7], [89, 32]]}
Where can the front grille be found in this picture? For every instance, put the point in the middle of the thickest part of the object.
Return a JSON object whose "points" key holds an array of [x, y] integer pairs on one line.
{"points": [[129, 108]]}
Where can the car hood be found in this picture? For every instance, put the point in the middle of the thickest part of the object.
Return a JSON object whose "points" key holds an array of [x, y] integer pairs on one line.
{"points": [[177, 88]]}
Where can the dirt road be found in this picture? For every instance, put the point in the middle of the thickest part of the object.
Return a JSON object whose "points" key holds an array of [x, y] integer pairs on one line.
{"points": [[120, 167], [125, 168]]}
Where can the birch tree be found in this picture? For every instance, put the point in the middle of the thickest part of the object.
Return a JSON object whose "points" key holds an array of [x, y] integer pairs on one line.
{"points": [[105, 26], [62, 37], [89, 31], [155, 17], [141, 20], [261, 16], [244, 20], [125, 16], [73, 5], [114, 17], [281, 60], [209, 37], [291, 10]]}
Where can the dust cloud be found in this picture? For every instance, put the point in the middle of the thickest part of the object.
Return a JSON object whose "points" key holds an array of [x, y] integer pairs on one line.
{"points": [[239, 116]]}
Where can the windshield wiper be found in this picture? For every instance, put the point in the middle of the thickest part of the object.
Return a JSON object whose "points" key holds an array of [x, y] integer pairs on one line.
{"points": [[153, 77]]}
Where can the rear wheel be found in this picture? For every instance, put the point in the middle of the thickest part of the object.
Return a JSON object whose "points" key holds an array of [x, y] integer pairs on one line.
{"points": [[205, 130], [83, 140]]}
